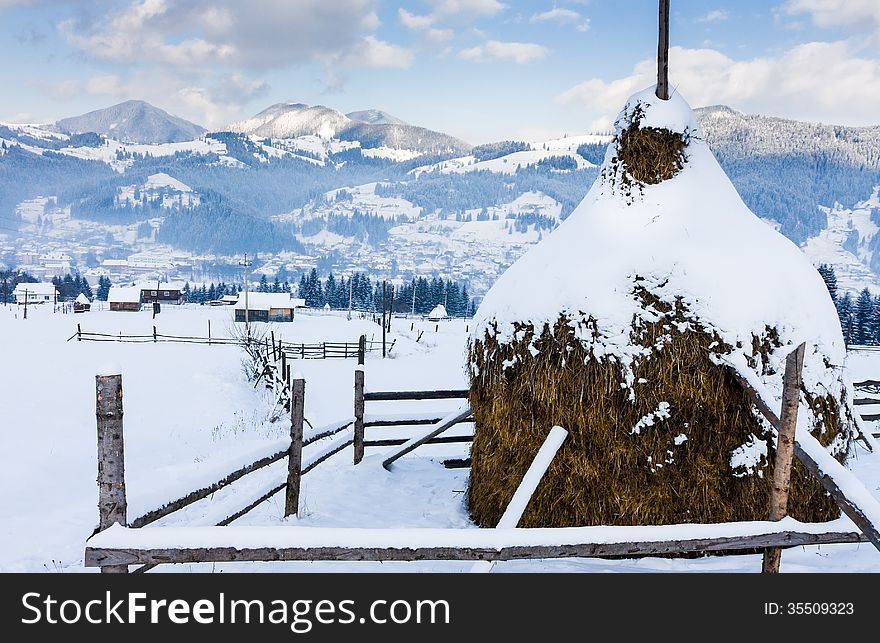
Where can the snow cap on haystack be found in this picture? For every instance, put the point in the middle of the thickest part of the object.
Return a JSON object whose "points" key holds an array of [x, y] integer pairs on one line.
{"points": [[638, 304]]}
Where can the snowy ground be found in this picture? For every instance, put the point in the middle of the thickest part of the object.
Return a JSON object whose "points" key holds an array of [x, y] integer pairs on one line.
{"points": [[191, 416]]}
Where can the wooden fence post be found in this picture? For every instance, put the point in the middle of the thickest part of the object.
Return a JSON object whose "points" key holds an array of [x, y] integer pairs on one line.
{"points": [[78, 333], [359, 404], [294, 460], [274, 353], [283, 364], [112, 505], [209, 332], [791, 393], [154, 334]]}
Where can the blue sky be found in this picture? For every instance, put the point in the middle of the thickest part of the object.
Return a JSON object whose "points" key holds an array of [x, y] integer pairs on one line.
{"points": [[479, 69]]}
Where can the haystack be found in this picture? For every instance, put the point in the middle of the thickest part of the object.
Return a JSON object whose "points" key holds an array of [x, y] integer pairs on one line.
{"points": [[625, 326]]}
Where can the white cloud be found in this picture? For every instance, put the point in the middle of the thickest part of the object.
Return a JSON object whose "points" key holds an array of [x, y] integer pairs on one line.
{"points": [[259, 34], [424, 24], [372, 52], [718, 15], [466, 7], [822, 81], [439, 35], [859, 14], [412, 21], [562, 15], [495, 50]]}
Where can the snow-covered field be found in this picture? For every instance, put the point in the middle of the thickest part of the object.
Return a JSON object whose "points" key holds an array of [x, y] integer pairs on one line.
{"points": [[191, 416]]}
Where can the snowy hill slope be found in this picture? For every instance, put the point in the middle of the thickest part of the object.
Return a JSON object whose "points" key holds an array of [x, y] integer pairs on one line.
{"points": [[375, 117], [133, 121], [372, 129]]}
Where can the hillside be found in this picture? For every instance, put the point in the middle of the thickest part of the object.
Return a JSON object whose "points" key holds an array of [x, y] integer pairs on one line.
{"points": [[133, 121], [309, 186]]}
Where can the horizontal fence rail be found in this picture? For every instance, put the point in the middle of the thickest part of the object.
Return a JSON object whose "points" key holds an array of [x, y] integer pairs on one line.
{"points": [[121, 546]]}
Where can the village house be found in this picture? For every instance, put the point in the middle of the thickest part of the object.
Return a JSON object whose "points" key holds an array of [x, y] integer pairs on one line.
{"points": [[38, 293], [162, 292], [267, 307], [125, 298]]}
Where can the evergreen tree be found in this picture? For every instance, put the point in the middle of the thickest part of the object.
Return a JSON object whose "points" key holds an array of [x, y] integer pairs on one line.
{"points": [[330, 294], [830, 279], [85, 288], [104, 287], [845, 308], [186, 292], [864, 311], [264, 284]]}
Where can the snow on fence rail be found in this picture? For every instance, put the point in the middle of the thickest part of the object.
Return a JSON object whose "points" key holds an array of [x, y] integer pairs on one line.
{"points": [[124, 546]]}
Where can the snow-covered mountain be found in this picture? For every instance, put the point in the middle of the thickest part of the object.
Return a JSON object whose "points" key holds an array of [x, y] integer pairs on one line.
{"points": [[732, 133], [304, 184], [372, 129], [375, 117], [290, 120], [133, 121]]}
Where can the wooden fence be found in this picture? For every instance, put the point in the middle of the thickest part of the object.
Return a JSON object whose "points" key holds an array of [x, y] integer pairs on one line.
{"points": [[291, 350], [869, 387], [114, 548]]}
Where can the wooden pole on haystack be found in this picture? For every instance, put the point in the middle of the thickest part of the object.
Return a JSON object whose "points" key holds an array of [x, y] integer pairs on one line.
{"points": [[791, 395], [663, 53]]}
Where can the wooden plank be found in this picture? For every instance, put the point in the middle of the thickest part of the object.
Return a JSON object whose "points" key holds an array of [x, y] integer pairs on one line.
{"points": [[867, 384], [457, 463], [412, 422], [785, 437], [204, 492], [294, 459], [440, 427], [865, 401], [830, 485], [870, 417], [447, 394], [314, 463], [393, 442], [99, 556], [854, 511], [112, 503]]}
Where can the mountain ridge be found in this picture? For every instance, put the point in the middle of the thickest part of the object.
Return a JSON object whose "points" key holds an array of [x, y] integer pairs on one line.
{"points": [[133, 121]]}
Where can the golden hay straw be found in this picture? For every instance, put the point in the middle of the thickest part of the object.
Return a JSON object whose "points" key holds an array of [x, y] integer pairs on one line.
{"points": [[602, 474], [651, 155]]}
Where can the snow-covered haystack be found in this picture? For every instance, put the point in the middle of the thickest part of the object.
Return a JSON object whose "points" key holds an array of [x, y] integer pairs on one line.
{"points": [[623, 326]]}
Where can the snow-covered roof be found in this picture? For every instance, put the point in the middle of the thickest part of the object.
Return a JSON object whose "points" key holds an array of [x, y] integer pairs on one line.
{"points": [[124, 294], [82, 299], [439, 311], [163, 285], [267, 300], [231, 298], [35, 289]]}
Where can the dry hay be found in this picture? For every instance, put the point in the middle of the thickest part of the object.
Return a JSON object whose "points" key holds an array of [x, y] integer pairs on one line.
{"points": [[605, 474], [651, 155]]}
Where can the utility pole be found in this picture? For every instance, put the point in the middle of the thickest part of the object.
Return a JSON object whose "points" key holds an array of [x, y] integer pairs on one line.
{"points": [[247, 312], [384, 291], [663, 53], [25, 303]]}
